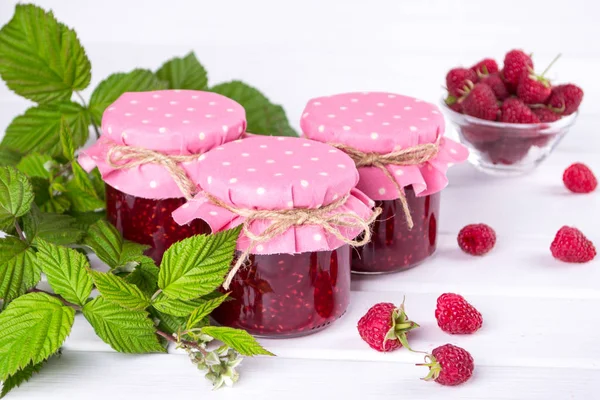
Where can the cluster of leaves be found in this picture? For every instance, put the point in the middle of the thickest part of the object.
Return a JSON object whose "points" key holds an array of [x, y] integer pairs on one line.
{"points": [[42, 60], [139, 306]]}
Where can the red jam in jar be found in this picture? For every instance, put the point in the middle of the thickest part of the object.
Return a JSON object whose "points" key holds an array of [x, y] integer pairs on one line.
{"points": [[287, 295], [149, 221], [393, 246]]}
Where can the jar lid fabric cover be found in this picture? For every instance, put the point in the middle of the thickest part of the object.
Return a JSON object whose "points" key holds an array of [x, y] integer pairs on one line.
{"points": [[383, 123], [277, 173], [174, 122]]}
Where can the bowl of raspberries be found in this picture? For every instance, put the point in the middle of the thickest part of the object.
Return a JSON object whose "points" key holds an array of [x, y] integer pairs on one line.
{"points": [[511, 118]]}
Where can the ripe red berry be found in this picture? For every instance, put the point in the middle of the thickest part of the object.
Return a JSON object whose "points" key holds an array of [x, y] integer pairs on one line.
{"points": [[487, 66], [565, 98], [459, 81], [516, 62], [497, 84], [476, 239], [578, 178], [533, 89], [384, 327], [449, 365], [546, 114], [514, 111], [570, 245], [481, 103], [453, 104], [455, 315]]}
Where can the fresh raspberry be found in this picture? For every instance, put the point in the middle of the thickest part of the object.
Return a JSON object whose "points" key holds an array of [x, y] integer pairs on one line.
{"points": [[509, 150], [514, 111], [449, 365], [481, 103], [497, 84], [455, 315], [578, 178], [384, 327], [565, 98], [453, 104], [459, 80], [516, 63], [476, 239], [570, 245], [533, 89], [546, 115], [485, 67]]}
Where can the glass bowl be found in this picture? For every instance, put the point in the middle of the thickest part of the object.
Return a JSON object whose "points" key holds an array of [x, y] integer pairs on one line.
{"points": [[499, 148]]}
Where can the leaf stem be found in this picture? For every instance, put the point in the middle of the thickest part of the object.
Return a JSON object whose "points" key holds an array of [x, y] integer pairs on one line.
{"points": [[20, 231], [92, 119], [155, 295], [65, 302], [185, 343]]}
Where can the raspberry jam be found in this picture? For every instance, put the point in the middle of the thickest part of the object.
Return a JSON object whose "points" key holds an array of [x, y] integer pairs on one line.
{"points": [[394, 247], [286, 295], [149, 221]]}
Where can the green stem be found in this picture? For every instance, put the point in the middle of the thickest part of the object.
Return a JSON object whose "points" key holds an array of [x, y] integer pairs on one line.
{"points": [[185, 343], [92, 118], [65, 302], [20, 231], [155, 295], [550, 65]]}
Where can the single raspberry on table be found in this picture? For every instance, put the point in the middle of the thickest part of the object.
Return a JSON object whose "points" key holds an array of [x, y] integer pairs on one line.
{"points": [[579, 178], [514, 111], [570, 245], [497, 84], [546, 115], [455, 315], [516, 63], [384, 327], [481, 103], [476, 239], [565, 98], [487, 66], [459, 80], [449, 365]]}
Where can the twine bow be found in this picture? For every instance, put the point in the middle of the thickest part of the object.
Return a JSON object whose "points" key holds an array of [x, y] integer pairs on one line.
{"points": [[410, 156], [286, 219], [124, 157]]}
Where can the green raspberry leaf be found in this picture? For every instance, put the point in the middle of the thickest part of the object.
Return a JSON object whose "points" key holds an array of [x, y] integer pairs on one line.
{"points": [[176, 307], [167, 323], [104, 239], [116, 290], [8, 156], [37, 165], [199, 314], [144, 276], [66, 270], [18, 269], [16, 196], [109, 90], [40, 58], [184, 73], [54, 228], [196, 266], [126, 331], [264, 117], [39, 128], [19, 377], [66, 140], [32, 328], [237, 339], [81, 192]]}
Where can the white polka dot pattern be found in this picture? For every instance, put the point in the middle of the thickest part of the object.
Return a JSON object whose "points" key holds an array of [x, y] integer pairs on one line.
{"points": [[382, 123], [298, 173], [168, 121]]}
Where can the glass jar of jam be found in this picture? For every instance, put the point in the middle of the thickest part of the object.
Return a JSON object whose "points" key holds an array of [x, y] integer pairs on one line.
{"points": [[297, 281], [398, 144], [142, 189]]}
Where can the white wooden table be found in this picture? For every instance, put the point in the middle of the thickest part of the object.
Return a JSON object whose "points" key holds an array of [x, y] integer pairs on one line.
{"points": [[539, 339]]}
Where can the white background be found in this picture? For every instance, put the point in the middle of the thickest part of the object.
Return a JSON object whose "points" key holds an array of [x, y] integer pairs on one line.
{"points": [[539, 339]]}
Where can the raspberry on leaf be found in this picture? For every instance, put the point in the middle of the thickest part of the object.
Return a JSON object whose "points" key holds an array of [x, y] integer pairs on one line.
{"points": [[449, 365], [384, 327]]}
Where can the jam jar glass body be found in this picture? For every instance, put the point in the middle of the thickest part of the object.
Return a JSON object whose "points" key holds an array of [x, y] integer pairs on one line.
{"points": [[393, 246], [288, 295], [149, 221]]}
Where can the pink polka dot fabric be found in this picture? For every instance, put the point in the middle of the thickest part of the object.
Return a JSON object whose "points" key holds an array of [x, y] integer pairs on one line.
{"points": [[382, 123], [168, 121], [276, 173]]}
